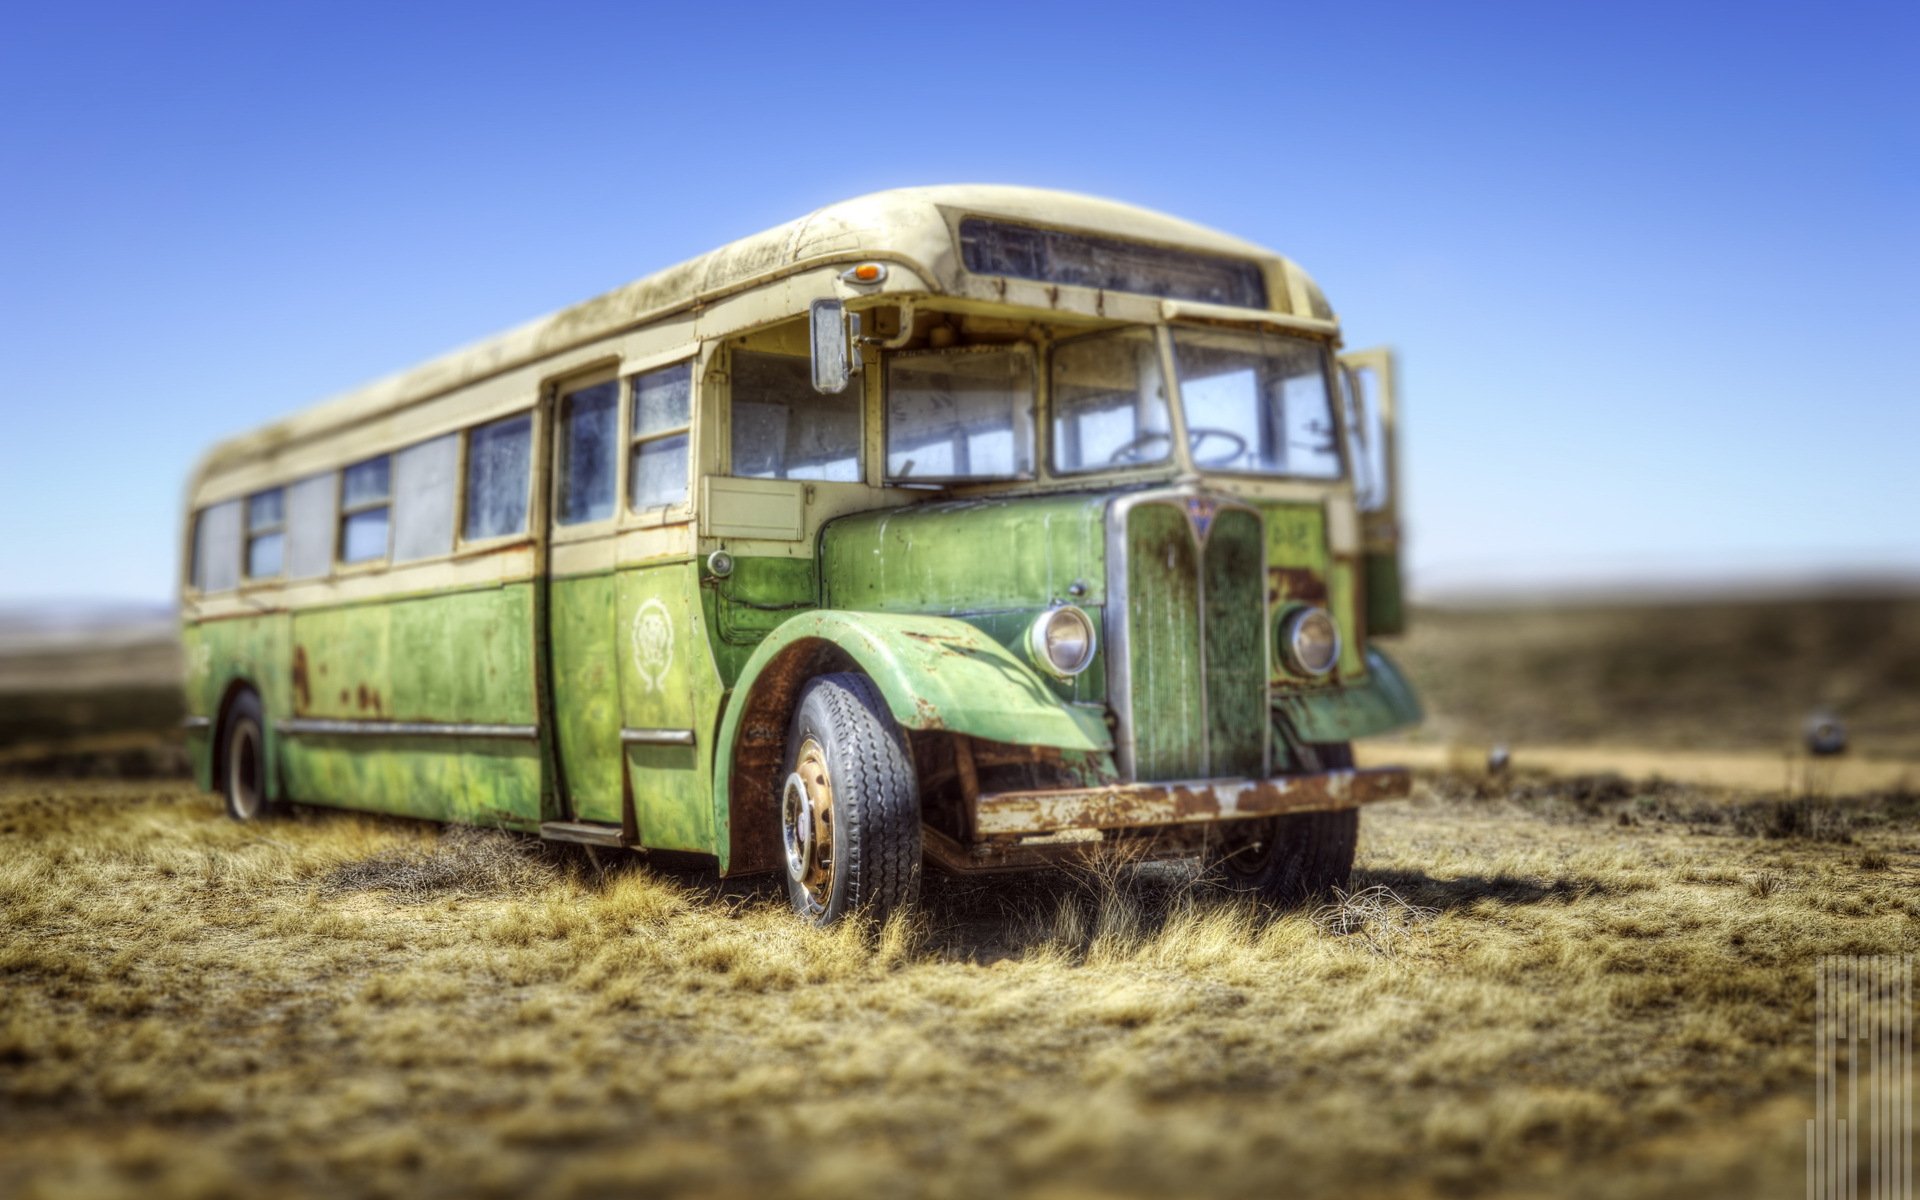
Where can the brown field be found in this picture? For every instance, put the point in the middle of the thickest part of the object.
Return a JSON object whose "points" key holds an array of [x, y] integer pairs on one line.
{"points": [[1579, 986], [1594, 990]]}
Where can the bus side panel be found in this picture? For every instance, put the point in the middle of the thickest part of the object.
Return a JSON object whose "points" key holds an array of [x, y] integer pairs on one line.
{"points": [[464, 658], [586, 694], [241, 650], [669, 684]]}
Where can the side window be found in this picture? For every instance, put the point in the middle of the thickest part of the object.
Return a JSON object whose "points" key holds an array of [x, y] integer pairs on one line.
{"points": [[365, 493], [311, 519], [662, 417], [216, 547], [783, 429], [423, 494], [499, 459], [589, 446], [266, 532]]}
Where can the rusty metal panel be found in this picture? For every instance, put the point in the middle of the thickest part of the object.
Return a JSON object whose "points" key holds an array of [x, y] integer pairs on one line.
{"points": [[1236, 645], [1129, 806], [586, 693], [1301, 569], [1168, 692]]}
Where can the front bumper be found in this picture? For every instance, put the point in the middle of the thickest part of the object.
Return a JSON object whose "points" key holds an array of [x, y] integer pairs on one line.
{"points": [[1144, 805]]}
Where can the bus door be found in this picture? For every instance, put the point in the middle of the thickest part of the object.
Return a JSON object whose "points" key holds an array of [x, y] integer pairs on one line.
{"points": [[583, 692], [669, 686]]}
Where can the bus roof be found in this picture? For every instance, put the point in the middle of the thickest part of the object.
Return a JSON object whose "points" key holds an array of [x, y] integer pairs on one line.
{"points": [[910, 225]]}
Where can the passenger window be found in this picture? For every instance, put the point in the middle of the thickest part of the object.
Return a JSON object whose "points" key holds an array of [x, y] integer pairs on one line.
{"points": [[662, 420], [423, 492], [589, 444], [216, 547], [783, 429], [310, 524], [266, 532], [499, 458], [960, 414], [364, 498], [1109, 403]]}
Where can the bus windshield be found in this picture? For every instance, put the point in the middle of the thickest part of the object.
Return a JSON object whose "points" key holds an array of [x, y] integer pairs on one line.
{"points": [[1257, 403]]}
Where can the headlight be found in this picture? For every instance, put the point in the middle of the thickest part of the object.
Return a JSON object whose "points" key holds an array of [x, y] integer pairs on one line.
{"points": [[1309, 641], [1061, 641]]}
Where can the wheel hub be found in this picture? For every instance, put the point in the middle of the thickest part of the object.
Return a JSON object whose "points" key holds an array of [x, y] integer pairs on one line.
{"points": [[806, 823]]}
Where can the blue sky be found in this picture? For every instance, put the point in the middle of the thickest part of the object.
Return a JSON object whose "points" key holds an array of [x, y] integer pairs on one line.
{"points": [[1651, 268]]}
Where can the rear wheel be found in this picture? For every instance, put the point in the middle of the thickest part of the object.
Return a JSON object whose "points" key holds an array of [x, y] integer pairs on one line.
{"points": [[1296, 858], [244, 760], [850, 805]]}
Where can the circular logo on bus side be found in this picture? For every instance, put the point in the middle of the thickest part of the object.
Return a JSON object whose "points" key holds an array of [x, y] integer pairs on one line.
{"points": [[652, 643]]}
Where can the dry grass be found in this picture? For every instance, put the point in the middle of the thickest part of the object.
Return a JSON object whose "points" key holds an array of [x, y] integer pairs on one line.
{"points": [[1591, 991]]}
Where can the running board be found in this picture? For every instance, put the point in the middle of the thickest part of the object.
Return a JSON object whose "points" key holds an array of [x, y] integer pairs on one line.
{"points": [[587, 833]]}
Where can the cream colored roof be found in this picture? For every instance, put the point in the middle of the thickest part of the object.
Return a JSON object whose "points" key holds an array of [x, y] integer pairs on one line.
{"points": [[905, 223]]}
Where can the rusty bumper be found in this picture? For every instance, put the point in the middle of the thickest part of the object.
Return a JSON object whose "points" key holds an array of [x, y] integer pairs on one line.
{"points": [[1137, 805]]}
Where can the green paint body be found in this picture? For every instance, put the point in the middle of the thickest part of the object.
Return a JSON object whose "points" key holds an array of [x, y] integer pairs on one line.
{"points": [[934, 601]]}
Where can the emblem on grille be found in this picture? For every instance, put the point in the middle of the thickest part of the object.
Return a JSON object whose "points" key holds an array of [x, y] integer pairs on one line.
{"points": [[1200, 511]]}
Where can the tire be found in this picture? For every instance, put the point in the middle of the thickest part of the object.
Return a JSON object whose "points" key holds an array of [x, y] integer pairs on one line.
{"points": [[243, 766], [1294, 859], [849, 805]]}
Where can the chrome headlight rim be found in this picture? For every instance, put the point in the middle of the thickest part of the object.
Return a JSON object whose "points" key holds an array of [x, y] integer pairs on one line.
{"points": [[1037, 644], [1287, 634]]}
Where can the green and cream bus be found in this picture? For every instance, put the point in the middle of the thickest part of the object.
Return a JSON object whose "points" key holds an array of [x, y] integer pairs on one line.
{"points": [[979, 526]]}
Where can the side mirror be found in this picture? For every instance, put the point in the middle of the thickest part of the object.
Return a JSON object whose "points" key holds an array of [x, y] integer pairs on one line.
{"points": [[827, 332]]}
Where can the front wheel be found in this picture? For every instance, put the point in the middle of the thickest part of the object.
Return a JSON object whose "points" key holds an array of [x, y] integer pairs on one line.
{"points": [[1292, 859], [849, 806]]}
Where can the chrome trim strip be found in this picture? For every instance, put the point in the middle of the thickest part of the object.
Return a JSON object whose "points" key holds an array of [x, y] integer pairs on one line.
{"points": [[656, 737], [196, 722], [299, 725]]}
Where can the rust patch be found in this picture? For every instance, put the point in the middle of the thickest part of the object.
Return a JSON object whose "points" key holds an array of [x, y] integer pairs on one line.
{"points": [[926, 716], [1295, 583], [302, 693]]}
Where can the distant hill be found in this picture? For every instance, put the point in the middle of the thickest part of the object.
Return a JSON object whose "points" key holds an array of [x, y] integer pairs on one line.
{"points": [[1692, 673]]}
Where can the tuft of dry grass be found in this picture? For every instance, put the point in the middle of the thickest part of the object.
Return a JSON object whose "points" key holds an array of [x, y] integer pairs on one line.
{"points": [[1521, 993], [462, 861], [1375, 914]]}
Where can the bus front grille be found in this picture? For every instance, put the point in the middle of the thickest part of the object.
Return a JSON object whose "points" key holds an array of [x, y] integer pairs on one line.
{"points": [[1193, 685]]}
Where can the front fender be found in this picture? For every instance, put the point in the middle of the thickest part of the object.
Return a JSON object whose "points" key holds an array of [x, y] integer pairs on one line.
{"points": [[936, 673], [1380, 703]]}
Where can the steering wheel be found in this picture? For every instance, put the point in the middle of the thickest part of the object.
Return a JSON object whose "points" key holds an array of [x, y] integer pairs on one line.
{"points": [[1196, 436], [1130, 453]]}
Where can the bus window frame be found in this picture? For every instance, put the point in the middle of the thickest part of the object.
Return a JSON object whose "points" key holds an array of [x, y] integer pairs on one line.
{"points": [[553, 391], [461, 542], [341, 567], [630, 370], [248, 533]]}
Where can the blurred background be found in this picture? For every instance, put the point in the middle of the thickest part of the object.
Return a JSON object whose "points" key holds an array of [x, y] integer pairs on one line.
{"points": [[1647, 267]]}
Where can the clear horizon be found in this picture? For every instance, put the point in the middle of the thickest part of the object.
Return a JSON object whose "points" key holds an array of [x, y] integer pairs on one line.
{"points": [[1643, 265]]}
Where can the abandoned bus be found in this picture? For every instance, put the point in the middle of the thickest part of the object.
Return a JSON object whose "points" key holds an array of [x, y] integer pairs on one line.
{"points": [[979, 526]]}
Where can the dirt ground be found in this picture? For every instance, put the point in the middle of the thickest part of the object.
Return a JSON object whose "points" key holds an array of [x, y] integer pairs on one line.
{"points": [[1540, 984], [1583, 988]]}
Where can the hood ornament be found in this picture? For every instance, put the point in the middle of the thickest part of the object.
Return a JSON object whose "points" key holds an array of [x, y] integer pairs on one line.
{"points": [[1200, 513]]}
